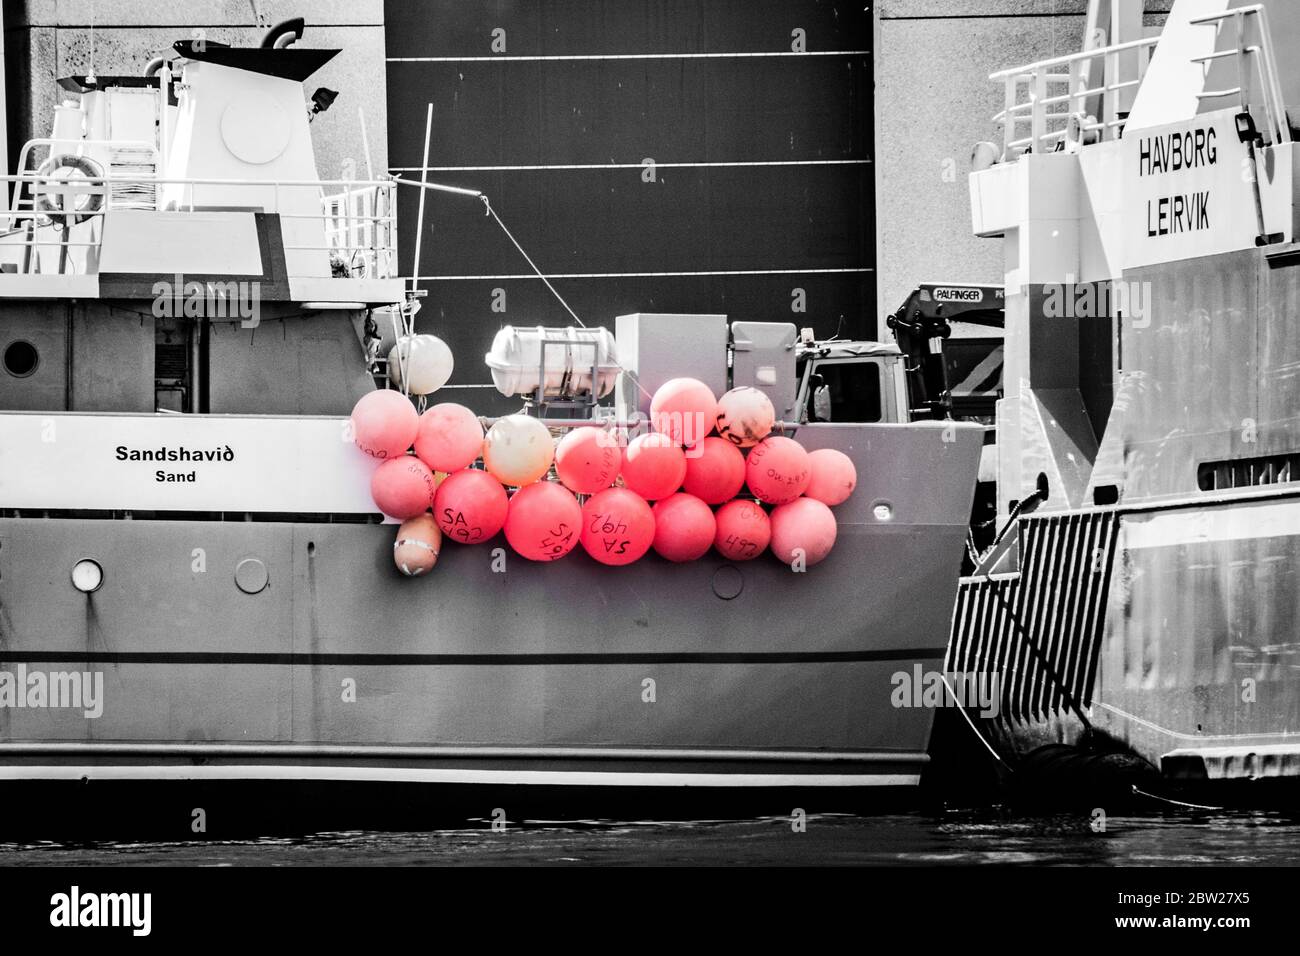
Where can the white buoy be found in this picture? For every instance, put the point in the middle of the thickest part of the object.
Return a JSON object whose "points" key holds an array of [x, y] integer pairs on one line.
{"points": [[423, 359]]}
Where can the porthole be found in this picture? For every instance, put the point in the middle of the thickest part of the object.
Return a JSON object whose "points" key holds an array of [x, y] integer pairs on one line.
{"points": [[21, 359]]}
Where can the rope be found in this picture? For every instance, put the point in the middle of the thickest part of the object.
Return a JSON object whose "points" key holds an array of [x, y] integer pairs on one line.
{"points": [[559, 298], [1176, 803], [527, 258], [970, 723]]}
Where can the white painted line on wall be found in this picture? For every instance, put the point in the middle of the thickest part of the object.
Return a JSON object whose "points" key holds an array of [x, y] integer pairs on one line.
{"points": [[657, 165], [560, 57], [647, 275]]}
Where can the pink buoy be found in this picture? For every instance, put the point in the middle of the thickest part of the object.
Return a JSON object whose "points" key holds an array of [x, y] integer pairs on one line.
{"points": [[587, 460], [715, 471], [684, 527], [418, 543], [384, 423], [803, 530], [402, 487], [833, 476], [617, 526], [470, 506], [653, 466], [777, 470], [450, 437], [684, 409], [745, 416], [543, 521], [743, 530]]}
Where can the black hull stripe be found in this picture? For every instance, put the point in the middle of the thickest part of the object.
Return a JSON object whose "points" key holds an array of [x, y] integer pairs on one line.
{"points": [[463, 660]]}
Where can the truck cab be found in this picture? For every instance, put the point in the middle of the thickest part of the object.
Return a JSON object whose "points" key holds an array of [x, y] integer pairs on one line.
{"points": [[946, 363], [850, 382]]}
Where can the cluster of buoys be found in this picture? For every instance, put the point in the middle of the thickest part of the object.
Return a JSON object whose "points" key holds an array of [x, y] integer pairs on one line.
{"points": [[674, 490]]}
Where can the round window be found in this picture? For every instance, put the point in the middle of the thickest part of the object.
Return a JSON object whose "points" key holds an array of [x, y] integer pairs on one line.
{"points": [[21, 359]]}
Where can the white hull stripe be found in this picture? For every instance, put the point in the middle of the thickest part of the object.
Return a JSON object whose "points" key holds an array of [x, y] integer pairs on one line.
{"points": [[536, 778], [1241, 522], [1201, 739]]}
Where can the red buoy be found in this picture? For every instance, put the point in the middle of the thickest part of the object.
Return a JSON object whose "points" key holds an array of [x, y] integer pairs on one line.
{"points": [[653, 466], [470, 506], [777, 470], [684, 527], [834, 476], [384, 423], [715, 471], [543, 521], [805, 528], [587, 460], [684, 409], [402, 487], [450, 437], [617, 526], [743, 530]]}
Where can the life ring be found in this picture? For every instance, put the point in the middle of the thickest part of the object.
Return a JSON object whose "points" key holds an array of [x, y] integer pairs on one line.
{"points": [[51, 202]]}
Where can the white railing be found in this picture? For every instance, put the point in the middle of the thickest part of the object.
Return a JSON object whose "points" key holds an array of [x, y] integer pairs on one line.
{"points": [[359, 228], [1059, 117], [1053, 118], [1259, 54], [357, 217]]}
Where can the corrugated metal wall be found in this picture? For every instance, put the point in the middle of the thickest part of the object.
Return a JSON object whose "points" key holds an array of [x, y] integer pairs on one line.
{"points": [[763, 182]]}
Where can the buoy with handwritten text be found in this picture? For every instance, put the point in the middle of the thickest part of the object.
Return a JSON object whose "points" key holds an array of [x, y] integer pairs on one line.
{"points": [[617, 526], [384, 423], [777, 470], [543, 521], [470, 506], [744, 530], [402, 487]]}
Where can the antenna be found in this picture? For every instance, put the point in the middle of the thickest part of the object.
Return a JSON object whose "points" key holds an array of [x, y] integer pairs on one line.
{"points": [[91, 79]]}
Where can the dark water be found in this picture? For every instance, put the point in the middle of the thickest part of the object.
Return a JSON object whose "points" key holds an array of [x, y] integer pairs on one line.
{"points": [[1218, 839]]}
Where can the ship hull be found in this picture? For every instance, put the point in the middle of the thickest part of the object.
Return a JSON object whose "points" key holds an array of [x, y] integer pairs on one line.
{"points": [[1169, 629], [491, 671]]}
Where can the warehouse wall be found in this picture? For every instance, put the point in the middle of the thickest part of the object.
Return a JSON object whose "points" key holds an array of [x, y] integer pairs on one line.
{"points": [[757, 117], [47, 39], [934, 101]]}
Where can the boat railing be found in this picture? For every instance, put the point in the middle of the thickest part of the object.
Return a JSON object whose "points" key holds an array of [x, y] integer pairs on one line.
{"points": [[1060, 119], [1245, 52], [1052, 117], [357, 218]]}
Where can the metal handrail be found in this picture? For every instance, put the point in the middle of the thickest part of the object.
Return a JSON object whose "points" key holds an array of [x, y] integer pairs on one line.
{"points": [[358, 221], [1265, 63], [1035, 110], [1072, 58]]}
